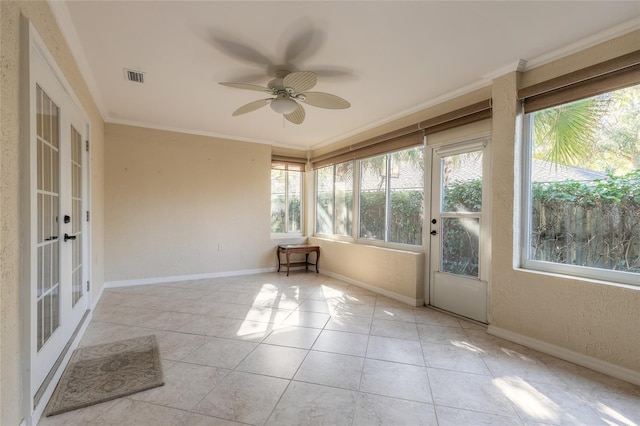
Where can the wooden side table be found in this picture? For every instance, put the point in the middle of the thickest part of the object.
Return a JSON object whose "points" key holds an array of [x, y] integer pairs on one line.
{"points": [[298, 248]]}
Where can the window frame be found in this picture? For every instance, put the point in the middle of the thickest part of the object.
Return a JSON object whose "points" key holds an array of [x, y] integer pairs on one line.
{"points": [[388, 213], [356, 225], [570, 271], [288, 233]]}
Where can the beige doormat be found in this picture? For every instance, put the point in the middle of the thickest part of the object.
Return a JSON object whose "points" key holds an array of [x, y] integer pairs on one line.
{"points": [[108, 371]]}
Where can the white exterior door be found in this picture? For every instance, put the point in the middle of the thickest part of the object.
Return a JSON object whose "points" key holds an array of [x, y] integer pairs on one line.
{"points": [[458, 280], [59, 243]]}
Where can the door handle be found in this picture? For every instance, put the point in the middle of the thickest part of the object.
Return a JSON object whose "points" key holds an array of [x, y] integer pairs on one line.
{"points": [[434, 232], [434, 221], [68, 237]]}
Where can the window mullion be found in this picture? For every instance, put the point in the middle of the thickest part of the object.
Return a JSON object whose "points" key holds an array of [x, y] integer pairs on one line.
{"points": [[355, 203], [526, 204], [333, 202]]}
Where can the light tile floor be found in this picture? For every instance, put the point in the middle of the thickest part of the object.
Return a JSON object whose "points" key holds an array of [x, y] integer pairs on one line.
{"points": [[308, 349]]}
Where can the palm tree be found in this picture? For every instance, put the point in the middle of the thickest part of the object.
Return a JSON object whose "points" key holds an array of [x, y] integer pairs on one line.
{"points": [[565, 134]]}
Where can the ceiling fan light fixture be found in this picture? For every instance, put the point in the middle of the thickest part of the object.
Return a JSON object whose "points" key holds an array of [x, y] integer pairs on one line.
{"points": [[284, 105]]}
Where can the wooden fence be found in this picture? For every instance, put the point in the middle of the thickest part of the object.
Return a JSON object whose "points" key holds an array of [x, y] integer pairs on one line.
{"points": [[598, 236]]}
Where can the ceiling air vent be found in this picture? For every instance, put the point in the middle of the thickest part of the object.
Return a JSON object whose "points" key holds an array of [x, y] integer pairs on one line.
{"points": [[134, 76]]}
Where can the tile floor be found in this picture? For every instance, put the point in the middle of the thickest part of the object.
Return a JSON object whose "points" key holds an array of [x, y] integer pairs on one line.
{"points": [[308, 349]]}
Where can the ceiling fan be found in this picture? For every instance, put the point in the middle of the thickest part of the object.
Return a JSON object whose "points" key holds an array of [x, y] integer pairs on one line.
{"points": [[289, 89]]}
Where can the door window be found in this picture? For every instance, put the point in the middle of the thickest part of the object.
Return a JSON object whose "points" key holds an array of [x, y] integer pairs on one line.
{"points": [[48, 200], [461, 207]]}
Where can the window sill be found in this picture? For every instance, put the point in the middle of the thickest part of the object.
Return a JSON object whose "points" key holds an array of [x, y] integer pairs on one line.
{"points": [[406, 248], [287, 236], [567, 276]]}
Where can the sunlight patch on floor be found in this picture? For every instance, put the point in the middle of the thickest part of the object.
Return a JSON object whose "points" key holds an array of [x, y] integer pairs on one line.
{"points": [[468, 346], [616, 416], [253, 329], [528, 399]]}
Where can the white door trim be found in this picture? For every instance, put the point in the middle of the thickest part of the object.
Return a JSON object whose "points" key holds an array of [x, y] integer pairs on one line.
{"points": [[481, 141], [32, 50]]}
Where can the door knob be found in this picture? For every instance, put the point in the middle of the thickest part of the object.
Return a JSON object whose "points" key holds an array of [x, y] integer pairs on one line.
{"points": [[434, 232], [68, 237], [434, 221]]}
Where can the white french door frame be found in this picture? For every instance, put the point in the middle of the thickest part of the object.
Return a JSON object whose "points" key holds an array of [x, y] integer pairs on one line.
{"points": [[451, 147], [38, 386]]}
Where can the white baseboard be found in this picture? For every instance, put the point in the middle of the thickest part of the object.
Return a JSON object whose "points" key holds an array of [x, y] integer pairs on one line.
{"points": [[596, 364], [177, 278], [95, 300], [386, 293]]}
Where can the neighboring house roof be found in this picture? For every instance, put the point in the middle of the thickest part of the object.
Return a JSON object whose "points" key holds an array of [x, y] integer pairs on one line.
{"points": [[409, 175], [547, 171], [470, 168], [404, 175]]}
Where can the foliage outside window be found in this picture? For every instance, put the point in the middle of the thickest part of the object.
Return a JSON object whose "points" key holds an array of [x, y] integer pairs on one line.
{"points": [[583, 204], [391, 197], [286, 198], [334, 199]]}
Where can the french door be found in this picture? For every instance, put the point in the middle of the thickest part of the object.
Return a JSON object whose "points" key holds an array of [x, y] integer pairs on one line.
{"points": [[59, 240], [458, 280]]}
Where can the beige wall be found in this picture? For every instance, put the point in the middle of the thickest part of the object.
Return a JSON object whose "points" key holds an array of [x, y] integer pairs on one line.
{"points": [[392, 271], [180, 204], [595, 319], [11, 389]]}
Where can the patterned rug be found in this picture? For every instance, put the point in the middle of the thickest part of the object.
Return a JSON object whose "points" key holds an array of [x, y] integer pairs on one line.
{"points": [[104, 372]]}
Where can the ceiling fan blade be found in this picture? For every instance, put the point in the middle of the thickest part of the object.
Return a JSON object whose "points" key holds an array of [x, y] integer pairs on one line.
{"points": [[297, 116], [301, 81], [325, 100], [245, 86], [252, 106]]}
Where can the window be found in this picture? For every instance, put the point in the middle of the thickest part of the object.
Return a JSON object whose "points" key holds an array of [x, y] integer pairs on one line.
{"points": [[391, 197], [286, 199], [334, 199], [582, 187]]}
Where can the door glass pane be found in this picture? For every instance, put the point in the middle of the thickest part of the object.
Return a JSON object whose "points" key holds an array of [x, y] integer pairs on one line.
{"points": [[460, 241], [76, 216], [462, 182], [47, 116]]}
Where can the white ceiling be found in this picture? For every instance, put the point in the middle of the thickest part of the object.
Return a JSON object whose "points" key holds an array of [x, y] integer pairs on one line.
{"points": [[387, 58]]}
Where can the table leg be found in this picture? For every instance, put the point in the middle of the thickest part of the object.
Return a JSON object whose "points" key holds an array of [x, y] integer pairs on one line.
{"points": [[288, 263], [317, 260], [278, 256]]}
